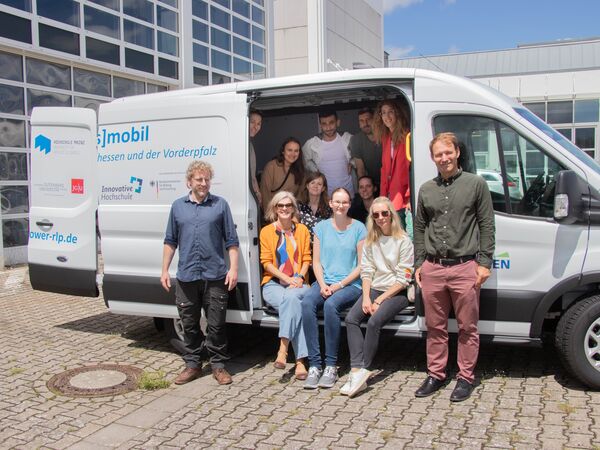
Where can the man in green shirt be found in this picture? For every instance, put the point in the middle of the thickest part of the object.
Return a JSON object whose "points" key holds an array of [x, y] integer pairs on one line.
{"points": [[454, 246]]}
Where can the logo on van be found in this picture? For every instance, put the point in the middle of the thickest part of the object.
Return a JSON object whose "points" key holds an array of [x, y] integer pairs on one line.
{"points": [[135, 134], [139, 181], [76, 185], [43, 143], [501, 261]]}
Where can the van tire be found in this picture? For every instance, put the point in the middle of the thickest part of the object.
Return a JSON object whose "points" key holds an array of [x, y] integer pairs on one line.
{"points": [[173, 329], [573, 340]]}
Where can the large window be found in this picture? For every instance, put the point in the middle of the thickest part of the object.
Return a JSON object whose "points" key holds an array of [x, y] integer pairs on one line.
{"points": [[66, 11], [16, 28], [102, 22]]}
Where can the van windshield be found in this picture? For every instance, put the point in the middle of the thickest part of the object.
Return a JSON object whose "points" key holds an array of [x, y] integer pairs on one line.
{"points": [[559, 138]]}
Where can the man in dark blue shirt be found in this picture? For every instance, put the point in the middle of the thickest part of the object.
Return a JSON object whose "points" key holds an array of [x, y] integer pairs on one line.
{"points": [[199, 224]]}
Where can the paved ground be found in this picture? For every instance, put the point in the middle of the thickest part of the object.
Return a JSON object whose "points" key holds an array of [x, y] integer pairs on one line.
{"points": [[526, 401]]}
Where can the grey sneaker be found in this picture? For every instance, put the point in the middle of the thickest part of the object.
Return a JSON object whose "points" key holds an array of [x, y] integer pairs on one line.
{"points": [[359, 382], [348, 386], [312, 380], [329, 377]]}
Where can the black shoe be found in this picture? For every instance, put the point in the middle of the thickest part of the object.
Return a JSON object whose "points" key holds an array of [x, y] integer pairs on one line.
{"points": [[430, 386], [462, 391]]}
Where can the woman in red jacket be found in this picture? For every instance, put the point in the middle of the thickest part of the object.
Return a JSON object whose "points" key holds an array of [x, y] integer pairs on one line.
{"points": [[391, 128]]}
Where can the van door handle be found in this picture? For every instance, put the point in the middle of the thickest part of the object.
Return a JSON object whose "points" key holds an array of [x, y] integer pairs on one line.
{"points": [[44, 224]]}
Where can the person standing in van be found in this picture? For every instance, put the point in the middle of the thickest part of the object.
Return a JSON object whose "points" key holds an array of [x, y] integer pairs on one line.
{"points": [[364, 148], [255, 124], [283, 173], [391, 128], [200, 225], [454, 246], [328, 153]]}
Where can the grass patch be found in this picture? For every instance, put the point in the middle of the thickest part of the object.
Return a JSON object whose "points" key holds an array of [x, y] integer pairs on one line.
{"points": [[566, 408], [16, 371], [151, 381], [386, 435]]}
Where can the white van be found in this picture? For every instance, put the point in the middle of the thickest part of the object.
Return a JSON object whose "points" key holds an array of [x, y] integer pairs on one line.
{"points": [[117, 174]]}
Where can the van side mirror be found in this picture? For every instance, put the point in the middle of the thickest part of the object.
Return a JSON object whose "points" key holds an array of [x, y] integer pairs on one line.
{"points": [[570, 205]]}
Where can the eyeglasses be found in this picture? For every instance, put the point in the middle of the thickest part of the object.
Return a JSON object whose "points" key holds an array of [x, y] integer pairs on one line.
{"points": [[338, 203], [285, 205], [382, 214]]}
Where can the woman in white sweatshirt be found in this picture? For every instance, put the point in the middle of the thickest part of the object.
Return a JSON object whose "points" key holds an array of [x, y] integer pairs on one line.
{"points": [[386, 271]]}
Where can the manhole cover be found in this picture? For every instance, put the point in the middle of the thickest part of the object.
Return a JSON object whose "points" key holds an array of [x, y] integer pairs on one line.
{"points": [[96, 381]]}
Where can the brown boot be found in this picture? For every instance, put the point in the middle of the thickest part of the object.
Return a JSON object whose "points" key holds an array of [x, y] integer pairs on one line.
{"points": [[222, 376], [189, 374]]}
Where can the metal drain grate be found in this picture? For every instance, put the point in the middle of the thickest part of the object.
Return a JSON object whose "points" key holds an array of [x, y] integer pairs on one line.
{"points": [[98, 380]]}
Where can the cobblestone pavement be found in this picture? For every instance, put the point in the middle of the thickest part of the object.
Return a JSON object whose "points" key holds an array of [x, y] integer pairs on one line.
{"points": [[525, 401]]}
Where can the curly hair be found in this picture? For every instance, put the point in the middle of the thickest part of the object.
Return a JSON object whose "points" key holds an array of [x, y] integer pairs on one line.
{"points": [[379, 128], [199, 166]]}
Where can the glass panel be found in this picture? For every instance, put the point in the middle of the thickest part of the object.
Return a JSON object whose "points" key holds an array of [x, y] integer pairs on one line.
{"points": [[242, 7], [172, 3], [66, 11], [258, 35], [14, 199], [585, 138], [200, 31], [48, 74], [590, 153], [139, 60], [168, 68], [25, 5], [102, 51], [219, 17], [140, 9], [259, 2], [82, 102], [200, 9], [587, 111], [241, 27], [12, 133], [258, 15], [220, 39], [91, 82], [138, 34], [44, 98], [220, 79], [241, 47], [200, 54], [57, 39], [102, 22], [12, 99], [13, 27], [220, 61], [560, 112], [538, 108], [258, 54], [259, 71], [166, 18], [566, 132], [241, 67], [112, 4], [15, 232], [123, 87], [200, 76], [224, 3], [150, 88], [11, 67], [13, 166], [167, 43]]}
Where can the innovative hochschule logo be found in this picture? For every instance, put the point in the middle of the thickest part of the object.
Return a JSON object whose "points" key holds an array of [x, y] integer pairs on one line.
{"points": [[43, 143], [139, 182]]}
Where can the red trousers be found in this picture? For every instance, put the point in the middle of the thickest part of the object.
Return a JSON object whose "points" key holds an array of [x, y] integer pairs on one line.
{"points": [[445, 288]]}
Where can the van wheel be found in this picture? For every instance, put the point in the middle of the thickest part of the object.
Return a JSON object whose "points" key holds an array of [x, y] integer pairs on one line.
{"points": [[174, 329], [159, 324], [578, 340]]}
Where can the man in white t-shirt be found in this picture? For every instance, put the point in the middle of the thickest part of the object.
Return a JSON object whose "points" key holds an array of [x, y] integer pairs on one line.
{"points": [[329, 154]]}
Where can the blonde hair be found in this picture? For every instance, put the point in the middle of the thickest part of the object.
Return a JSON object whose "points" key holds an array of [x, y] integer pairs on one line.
{"points": [[199, 166], [271, 210], [373, 230]]}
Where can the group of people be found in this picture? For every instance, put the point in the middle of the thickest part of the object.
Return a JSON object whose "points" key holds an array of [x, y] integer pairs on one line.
{"points": [[361, 269]]}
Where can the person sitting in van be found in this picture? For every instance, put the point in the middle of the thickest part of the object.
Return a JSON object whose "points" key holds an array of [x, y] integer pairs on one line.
{"points": [[328, 153], [255, 124], [283, 173], [285, 257], [391, 128], [314, 202], [362, 201], [364, 148], [336, 248], [386, 269]]}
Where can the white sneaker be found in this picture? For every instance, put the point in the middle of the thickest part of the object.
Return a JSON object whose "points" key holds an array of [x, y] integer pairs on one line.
{"points": [[348, 386], [312, 380], [329, 377], [359, 382]]}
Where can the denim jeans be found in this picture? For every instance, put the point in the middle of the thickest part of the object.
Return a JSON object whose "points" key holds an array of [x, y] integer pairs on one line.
{"points": [[332, 307], [191, 297], [287, 302]]}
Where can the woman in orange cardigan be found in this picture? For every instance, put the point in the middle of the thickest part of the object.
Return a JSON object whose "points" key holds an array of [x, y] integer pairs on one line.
{"points": [[391, 128], [285, 257]]}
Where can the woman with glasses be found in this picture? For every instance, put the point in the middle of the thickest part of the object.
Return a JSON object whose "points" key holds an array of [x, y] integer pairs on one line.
{"points": [[285, 257], [391, 129], [313, 201], [386, 271], [283, 173], [336, 248]]}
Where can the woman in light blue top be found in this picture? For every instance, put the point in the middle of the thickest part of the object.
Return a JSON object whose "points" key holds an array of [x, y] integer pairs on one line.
{"points": [[336, 248]]}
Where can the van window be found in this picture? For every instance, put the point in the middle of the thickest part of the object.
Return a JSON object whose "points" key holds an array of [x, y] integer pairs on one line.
{"points": [[519, 174]]}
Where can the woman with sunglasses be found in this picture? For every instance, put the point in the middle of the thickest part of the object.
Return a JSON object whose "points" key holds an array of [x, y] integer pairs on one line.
{"points": [[283, 173], [386, 271], [337, 245], [285, 257]]}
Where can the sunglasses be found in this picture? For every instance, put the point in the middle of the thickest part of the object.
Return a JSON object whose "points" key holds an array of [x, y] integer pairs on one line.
{"points": [[284, 205], [382, 214]]}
